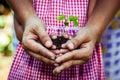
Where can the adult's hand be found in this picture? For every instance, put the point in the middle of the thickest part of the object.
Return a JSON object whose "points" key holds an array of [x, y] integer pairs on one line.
{"points": [[63, 49], [36, 41], [81, 46], [87, 37], [19, 29]]}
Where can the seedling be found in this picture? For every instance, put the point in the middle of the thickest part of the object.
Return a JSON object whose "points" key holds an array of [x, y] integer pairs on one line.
{"points": [[71, 18], [60, 39]]}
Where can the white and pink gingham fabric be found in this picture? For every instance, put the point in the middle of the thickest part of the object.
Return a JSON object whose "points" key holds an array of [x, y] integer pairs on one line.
{"points": [[26, 67]]}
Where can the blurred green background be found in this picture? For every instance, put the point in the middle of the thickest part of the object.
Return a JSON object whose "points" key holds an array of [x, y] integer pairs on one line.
{"points": [[6, 49]]}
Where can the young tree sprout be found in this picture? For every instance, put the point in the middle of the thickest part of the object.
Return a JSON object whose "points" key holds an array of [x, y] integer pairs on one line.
{"points": [[60, 39], [71, 18]]}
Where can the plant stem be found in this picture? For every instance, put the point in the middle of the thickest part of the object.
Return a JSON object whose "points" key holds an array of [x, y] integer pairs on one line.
{"points": [[63, 30]]}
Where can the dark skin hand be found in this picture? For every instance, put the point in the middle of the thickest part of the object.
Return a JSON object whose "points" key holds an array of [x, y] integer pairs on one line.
{"points": [[19, 29], [35, 39], [87, 37]]}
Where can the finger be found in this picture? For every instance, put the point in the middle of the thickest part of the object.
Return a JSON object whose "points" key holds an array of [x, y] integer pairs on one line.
{"points": [[85, 53], [36, 47], [53, 36], [58, 55], [41, 58], [65, 35], [53, 47], [75, 54], [64, 46], [56, 52], [74, 42], [67, 65], [69, 37], [63, 51], [56, 65], [44, 37]]}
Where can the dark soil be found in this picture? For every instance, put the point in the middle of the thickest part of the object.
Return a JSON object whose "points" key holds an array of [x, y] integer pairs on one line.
{"points": [[59, 41]]}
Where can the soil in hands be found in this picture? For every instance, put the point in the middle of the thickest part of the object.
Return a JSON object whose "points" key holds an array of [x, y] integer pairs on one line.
{"points": [[59, 41]]}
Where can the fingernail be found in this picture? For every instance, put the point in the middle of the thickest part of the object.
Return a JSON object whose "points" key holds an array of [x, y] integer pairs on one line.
{"points": [[58, 55], [53, 57], [56, 65], [54, 37], [57, 52], [57, 60], [61, 51], [53, 47], [54, 72], [70, 45], [63, 45], [48, 43]]}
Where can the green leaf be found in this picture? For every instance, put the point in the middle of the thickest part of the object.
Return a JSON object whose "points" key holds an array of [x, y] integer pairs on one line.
{"points": [[66, 23], [71, 18], [75, 23], [61, 17], [75, 18]]}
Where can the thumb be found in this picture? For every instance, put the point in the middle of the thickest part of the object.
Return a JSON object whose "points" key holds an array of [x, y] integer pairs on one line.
{"points": [[44, 37], [36, 26], [74, 43]]}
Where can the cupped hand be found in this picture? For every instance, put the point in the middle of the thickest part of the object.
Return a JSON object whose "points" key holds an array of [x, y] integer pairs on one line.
{"points": [[36, 41], [81, 49], [61, 51]]}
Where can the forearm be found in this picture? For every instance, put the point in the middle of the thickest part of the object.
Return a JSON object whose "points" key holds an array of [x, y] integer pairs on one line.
{"points": [[23, 9], [102, 14], [19, 29]]}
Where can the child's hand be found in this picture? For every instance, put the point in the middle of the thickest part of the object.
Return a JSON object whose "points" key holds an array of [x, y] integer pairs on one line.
{"points": [[35, 38], [85, 40]]}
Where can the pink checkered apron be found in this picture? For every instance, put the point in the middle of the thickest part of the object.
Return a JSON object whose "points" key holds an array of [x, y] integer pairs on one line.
{"points": [[26, 67]]}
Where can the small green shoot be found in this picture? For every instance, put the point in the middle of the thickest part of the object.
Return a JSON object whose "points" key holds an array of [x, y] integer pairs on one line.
{"points": [[71, 18], [61, 17]]}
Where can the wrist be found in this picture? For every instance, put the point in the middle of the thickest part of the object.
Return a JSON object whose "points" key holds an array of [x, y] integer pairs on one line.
{"points": [[96, 31], [29, 19], [32, 20]]}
